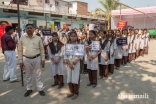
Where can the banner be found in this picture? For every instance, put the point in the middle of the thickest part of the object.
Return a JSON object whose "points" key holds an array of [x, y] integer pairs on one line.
{"points": [[152, 32], [96, 45], [76, 49], [46, 32], [121, 41], [122, 24]]}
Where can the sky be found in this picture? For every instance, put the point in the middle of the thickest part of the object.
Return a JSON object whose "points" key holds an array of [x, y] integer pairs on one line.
{"points": [[93, 4]]}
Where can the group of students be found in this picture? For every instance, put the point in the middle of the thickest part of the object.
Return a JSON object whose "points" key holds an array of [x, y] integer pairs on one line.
{"points": [[104, 60]]}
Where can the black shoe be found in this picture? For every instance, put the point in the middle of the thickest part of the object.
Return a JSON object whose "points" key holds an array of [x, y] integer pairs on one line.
{"points": [[60, 86], [90, 84], [42, 93], [94, 85], [54, 85], [28, 93]]}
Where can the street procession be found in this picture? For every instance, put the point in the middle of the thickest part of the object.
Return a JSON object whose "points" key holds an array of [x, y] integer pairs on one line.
{"points": [[74, 56]]}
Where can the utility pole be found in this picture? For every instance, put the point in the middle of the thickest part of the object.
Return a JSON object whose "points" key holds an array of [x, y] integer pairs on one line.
{"points": [[19, 34]]}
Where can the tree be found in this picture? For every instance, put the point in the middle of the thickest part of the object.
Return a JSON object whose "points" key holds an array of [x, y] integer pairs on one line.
{"points": [[108, 6]]}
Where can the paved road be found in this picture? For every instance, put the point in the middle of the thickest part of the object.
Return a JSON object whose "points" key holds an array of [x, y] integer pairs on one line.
{"points": [[134, 79]]}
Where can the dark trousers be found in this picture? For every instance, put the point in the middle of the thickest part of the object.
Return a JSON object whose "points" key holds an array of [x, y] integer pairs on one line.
{"points": [[146, 50], [74, 88], [137, 54], [92, 76], [124, 59], [133, 56], [58, 79], [129, 57], [141, 52], [103, 70], [117, 62], [111, 68]]}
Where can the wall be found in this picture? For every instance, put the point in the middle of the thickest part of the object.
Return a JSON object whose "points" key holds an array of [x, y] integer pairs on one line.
{"points": [[62, 7], [73, 9], [82, 8], [50, 6]]}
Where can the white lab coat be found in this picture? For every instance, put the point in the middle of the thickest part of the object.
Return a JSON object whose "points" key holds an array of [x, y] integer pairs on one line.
{"points": [[130, 39], [103, 53], [137, 40], [59, 68], [125, 52], [118, 52], [111, 49], [73, 75], [142, 41], [146, 40]]}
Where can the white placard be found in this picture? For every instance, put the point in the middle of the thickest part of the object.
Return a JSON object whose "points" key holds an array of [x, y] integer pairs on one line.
{"points": [[79, 49], [95, 45], [69, 49], [91, 26], [74, 49]]}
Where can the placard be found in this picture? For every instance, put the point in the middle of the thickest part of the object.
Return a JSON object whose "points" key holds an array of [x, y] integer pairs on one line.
{"points": [[79, 49], [46, 32], [91, 26], [74, 49], [121, 41], [122, 24], [69, 49], [95, 45]]}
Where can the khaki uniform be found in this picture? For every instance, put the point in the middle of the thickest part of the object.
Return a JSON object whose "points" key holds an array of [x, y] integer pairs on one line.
{"points": [[27, 50]]}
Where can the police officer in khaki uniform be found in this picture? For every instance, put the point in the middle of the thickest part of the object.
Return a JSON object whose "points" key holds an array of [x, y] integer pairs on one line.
{"points": [[31, 55]]}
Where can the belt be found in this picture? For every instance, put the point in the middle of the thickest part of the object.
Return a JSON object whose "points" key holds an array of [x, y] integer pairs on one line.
{"points": [[32, 57], [9, 50]]}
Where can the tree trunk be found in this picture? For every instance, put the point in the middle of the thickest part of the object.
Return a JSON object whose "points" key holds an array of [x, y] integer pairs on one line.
{"points": [[109, 23]]}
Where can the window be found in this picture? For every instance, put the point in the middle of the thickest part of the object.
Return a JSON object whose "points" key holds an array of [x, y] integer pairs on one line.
{"points": [[21, 2], [36, 13], [53, 15], [9, 11]]}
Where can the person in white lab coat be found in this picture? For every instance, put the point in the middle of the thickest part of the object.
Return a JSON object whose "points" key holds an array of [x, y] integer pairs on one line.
{"points": [[103, 64], [111, 51], [130, 40], [118, 52], [147, 39], [92, 60], [125, 48], [137, 39], [73, 69], [142, 43], [55, 51]]}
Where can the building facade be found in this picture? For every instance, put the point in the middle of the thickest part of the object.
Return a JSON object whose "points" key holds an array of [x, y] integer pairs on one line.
{"points": [[46, 13]]}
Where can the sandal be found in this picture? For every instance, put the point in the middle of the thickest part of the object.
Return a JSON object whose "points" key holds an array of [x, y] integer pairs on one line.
{"points": [[74, 97], [17, 80], [70, 95]]}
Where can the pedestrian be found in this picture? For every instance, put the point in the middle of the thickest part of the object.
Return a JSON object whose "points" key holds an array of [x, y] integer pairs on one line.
{"points": [[147, 38], [125, 47], [8, 49], [137, 37], [103, 64], [118, 51], [55, 51], [73, 69], [142, 43], [31, 56], [111, 51], [92, 61]]}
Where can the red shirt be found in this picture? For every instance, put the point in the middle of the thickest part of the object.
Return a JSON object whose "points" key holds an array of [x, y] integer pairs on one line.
{"points": [[7, 43]]}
